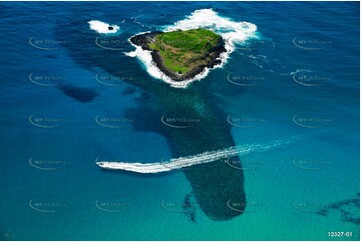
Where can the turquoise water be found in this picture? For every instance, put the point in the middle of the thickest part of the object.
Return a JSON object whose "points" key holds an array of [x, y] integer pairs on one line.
{"points": [[53, 190]]}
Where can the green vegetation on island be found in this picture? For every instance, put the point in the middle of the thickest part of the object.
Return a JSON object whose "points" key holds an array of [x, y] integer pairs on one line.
{"points": [[182, 54], [184, 50]]}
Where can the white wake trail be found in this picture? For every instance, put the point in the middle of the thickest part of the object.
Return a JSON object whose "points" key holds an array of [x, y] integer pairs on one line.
{"points": [[182, 162]]}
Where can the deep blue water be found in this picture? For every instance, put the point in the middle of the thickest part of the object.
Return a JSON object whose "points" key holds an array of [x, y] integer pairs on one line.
{"points": [[303, 86]]}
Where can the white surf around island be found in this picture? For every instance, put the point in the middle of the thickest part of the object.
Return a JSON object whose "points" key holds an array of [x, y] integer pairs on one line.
{"points": [[232, 32], [102, 27], [182, 162]]}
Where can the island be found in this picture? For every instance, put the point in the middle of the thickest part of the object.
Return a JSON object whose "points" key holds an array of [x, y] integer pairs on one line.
{"points": [[182, 54]]}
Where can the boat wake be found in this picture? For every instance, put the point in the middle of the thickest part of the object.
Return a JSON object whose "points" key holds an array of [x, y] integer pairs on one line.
{"points": [[232, 32], [182, 162]]}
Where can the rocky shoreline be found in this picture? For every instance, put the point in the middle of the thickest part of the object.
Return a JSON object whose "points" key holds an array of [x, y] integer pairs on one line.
{"points": [[143, 40]]}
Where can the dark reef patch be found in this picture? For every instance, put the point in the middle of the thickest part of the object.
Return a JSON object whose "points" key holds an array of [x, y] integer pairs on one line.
{"points": [[80, 94], [349, 210], [189, 208]]}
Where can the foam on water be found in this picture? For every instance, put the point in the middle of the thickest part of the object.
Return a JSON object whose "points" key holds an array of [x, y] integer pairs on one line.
{"points": [[232, 32], [188, 161], [102, 27]]}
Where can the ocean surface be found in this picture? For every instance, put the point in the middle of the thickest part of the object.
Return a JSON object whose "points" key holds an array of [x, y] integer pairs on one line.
{"points": [[270, 137]]}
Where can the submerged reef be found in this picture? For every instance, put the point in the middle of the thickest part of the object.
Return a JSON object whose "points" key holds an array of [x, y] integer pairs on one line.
{"points": [[80, 94], [349, 210], [189, 208]]}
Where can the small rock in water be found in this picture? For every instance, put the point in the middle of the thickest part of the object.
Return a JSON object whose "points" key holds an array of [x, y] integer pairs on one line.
{"points": [[110, 28]]}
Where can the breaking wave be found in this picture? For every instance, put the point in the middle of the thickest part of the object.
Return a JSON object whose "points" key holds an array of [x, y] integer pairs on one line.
{"points": [[182, 162], [103, 28], [232, 32]]}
